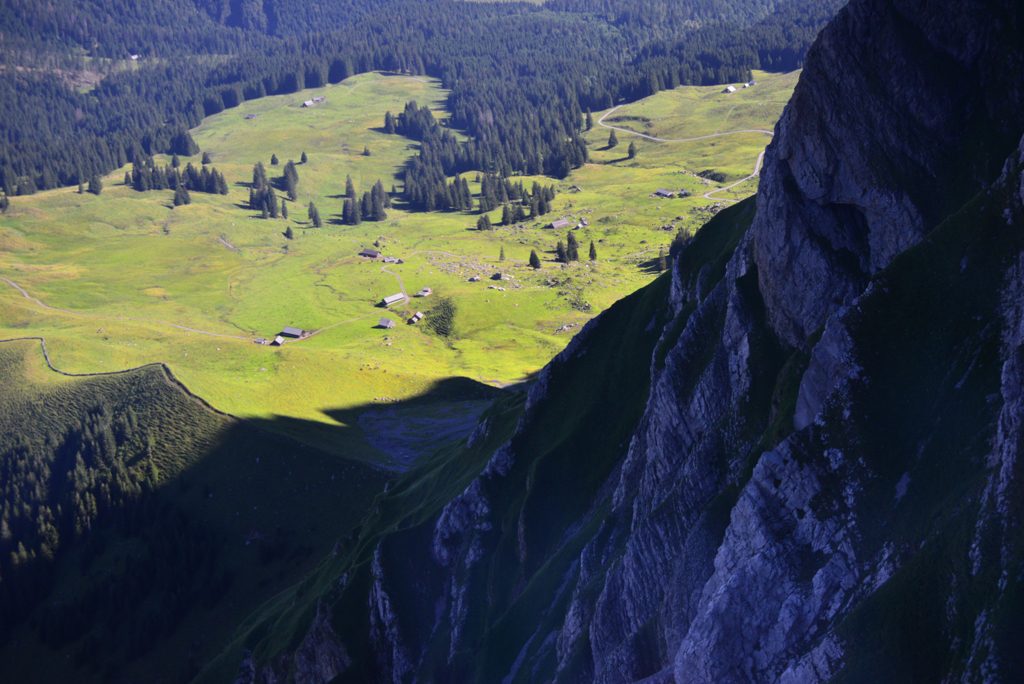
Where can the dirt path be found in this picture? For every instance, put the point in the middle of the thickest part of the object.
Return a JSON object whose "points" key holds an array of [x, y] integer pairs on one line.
{"points": [[757, 170], [119, 318], [716, 134]]}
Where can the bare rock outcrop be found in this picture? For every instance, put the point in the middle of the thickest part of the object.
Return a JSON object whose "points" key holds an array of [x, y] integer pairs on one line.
{"points": [[903, 111]]}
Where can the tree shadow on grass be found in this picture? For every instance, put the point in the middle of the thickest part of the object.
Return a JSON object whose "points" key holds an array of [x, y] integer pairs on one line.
{"points": [[651, 266]]}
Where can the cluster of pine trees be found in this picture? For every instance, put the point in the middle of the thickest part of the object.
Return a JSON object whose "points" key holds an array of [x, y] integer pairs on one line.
{"points": [[372, 206], [146, 175], [263, 197], [569, 250], [103, 464]]}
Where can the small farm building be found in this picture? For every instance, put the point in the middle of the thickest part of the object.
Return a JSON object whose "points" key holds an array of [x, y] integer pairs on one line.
{"points": [[416, 318], [424, 292], [393, 299], [260, 340], [309, 103], [386, 323], [730, 89], [250, 116], [662, 192], [369, 253], [291, 332], [278, 341], [558, 225]]}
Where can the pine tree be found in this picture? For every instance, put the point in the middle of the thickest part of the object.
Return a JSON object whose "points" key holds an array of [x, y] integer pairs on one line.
{"points": [[175, 162], [350, 188], [572, 252], [81, 188], [4, 203], [612, 140], [366, 151], [95, 185], [314, 216], [593, 251], [662, 263], [127, 178], [273, 160], [288, 233], [590, 120], [484, 222], [377, 199], [291, 180], [304, 157], [389, 123], [560, 251], [357, 216], [506, 215], [534, 259], [501, 256], [284, 211], [181, 196], [632, 150], [206, 158]]}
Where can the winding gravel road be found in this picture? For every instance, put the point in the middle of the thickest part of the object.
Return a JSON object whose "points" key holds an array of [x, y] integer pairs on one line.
{"points": [[707, 195]]}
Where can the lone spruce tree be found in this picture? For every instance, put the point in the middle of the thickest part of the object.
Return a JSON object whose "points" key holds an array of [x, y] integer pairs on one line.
{"points": [[501, 256], [304, 157], [593, 251], [612, 140], [534, 259], [572, 252], [632, 150], [95, 185]]}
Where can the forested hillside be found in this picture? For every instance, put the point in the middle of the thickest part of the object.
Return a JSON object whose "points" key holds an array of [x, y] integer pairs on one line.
{"points": [[521, 76], [133, 516]]}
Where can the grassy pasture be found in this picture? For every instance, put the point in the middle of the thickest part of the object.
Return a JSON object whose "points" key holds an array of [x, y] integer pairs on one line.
{"points": [[132, 266]]}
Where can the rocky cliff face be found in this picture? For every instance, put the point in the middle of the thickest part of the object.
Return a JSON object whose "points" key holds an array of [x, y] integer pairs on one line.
{"points": [[904, 110], [818, 477]]}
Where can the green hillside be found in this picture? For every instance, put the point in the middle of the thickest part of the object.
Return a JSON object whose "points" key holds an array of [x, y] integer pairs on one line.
{"points": [[151, 523]]}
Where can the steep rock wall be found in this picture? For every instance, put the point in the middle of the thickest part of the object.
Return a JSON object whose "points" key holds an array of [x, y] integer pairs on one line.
{"points": [[904, 109]]}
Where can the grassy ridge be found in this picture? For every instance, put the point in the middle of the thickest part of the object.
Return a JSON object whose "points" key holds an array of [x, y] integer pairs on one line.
{"points": [[215, 475]]}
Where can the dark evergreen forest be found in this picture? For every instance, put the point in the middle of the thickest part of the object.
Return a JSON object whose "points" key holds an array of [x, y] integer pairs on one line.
{"points": [[521, 76]]}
